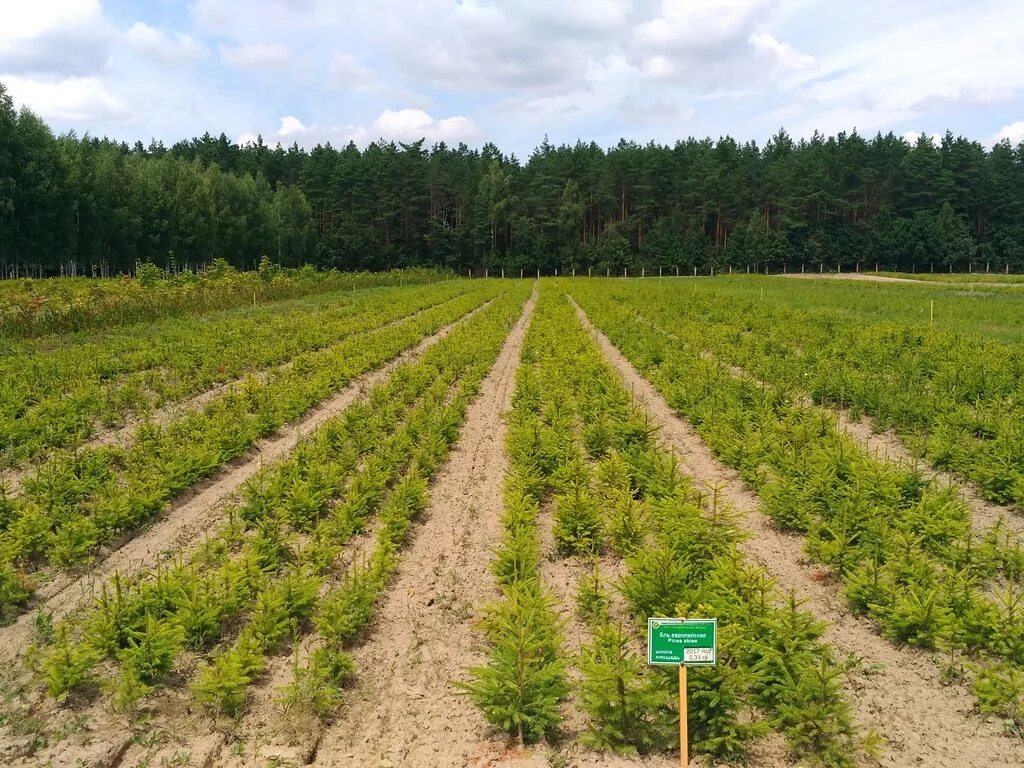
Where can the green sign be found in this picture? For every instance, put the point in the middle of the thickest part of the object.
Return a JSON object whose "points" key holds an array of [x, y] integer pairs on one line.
{"points": [[689, 642]]}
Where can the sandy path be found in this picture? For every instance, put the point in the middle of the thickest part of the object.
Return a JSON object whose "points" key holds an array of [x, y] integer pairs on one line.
{"points": [[886, 279], [182, 526], [123, 435], [849, 276], [898, 692], [403, 710]]}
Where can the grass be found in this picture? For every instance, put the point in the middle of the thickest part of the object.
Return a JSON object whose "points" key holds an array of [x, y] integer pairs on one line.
{"points": [[995, 313]]}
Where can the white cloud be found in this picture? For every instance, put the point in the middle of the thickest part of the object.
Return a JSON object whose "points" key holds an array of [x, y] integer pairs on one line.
{"points": [[346, 72], [715, 28], [413, 124], [657, 68], [29, 20], [959, 55], [54, 38], [578, 18], [404, 125], [291, 125], [912, 137], [514, 70], [257, 56], [784, 54], [160, 45], [611, 89], [656, 110], [1014, 132], [715, 47], [78, 100]]}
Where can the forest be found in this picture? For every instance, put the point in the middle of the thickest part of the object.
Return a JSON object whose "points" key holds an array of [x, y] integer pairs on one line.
{"points": [[81, 205]]}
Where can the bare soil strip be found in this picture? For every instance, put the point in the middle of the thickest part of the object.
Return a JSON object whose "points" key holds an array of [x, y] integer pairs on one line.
{"points": [[560, 576], [854, 276], [898, 691], [162, 416], [182, 526], [403, 709], [887, 279]]}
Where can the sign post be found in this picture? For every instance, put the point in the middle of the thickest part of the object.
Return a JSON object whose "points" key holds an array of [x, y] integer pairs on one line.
{"points": [[683, 643]]}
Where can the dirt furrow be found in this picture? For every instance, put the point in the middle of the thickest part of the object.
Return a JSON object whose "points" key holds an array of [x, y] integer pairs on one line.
{"points": [[898, 692], [403, 709], [268, 734], [561, 576], [182, 526]]}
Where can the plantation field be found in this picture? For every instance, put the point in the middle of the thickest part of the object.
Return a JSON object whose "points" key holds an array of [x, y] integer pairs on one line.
{"points": [[985, 310], [412, 520]]}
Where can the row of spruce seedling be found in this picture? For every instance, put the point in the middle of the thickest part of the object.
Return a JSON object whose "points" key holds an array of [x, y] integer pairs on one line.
{"points": [[78, 502], [956, 398], [617, 495], [54, 396], [271, 573], [902, 548]]}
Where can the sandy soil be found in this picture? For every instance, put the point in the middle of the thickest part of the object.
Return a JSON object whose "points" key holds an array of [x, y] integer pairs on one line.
{"points": [[561, 576], [898, 692], [849, 276], [173, 730], [182, 526], [266, 734]]}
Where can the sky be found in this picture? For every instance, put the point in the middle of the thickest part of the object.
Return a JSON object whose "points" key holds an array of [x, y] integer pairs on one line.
{"points": [[313, 71]]}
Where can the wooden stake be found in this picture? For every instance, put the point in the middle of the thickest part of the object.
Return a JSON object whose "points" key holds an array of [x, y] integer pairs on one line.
{"points": [[684, 730]]}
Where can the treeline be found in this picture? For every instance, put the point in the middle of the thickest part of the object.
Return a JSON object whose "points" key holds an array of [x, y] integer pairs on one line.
{"points": [[820, 202], [89, 206]]}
